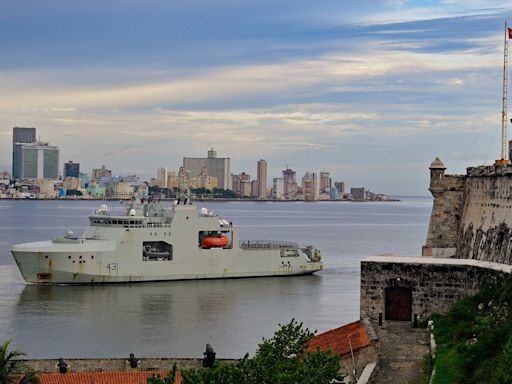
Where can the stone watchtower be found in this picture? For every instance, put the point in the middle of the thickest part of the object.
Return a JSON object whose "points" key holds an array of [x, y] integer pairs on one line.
{"points": [[448, 192]]}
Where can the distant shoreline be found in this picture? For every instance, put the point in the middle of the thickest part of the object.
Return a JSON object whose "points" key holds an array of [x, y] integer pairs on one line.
{"points": [[216, 199]]}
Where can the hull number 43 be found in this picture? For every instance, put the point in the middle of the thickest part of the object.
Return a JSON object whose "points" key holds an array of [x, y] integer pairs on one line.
{"points": [[112, 266]]}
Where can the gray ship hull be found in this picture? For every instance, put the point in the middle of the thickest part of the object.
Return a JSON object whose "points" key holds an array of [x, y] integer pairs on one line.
{"points": [[161, 246]]}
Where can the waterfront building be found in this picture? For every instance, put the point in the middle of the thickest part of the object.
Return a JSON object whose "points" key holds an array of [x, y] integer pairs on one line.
{"points": [[206, 181], [290, 184], [310, 186], [183, 179], [46, 189], [218, 167], [245, 185], [85, 179], [119, 190], [163, 175], [38, 160], [340, 186], [261, 190], [334, 195], [172, 180], [241, 184], [203, 181], [255, 189], [358, 193], [96, 190], [235, 183], [71, 169], [20, 135], [278, 188], [71, 183], [98, 173], [325, 182]]}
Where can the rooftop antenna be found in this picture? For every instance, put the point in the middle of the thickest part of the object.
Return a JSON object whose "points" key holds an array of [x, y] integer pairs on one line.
{"points": [[504, 157]]}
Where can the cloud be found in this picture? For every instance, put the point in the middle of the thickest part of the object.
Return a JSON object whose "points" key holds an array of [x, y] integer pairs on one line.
{"points": [[379, 91], [231, 83]]}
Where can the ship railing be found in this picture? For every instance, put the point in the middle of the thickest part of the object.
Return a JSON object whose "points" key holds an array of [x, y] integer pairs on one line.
{"points": [[267, 244]]}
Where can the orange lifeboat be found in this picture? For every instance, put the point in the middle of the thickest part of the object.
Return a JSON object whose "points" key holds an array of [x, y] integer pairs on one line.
{"points": [[212, 242]]}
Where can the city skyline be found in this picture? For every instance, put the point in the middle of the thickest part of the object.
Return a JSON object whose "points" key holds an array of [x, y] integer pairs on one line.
{"points": [[371, 92]]}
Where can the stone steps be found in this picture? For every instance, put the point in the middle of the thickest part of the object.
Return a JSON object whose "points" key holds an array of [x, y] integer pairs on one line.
{"points": [[401, 350]]}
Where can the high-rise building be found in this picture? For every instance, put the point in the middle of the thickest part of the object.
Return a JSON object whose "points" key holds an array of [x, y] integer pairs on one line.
{"points": [[98, 173], [163, 175], [241, 184], [290, 185], [216, 166], [38, 160], [254, 188], [310, 186], [71, 183], [20, 135], [71, 169], [206, 181], [183, 179], [278, 188], [245, 184], [325, 182], [358, 193], [340, 186], [262, 179]]}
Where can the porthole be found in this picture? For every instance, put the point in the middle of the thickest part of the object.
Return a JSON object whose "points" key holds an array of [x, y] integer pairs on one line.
{"points": [[69, 257], [73, 261], [92, 256], [80, 257], [46, 257]]}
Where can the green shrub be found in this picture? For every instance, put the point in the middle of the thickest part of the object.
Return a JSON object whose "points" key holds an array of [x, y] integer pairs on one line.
{"points": [[475, 338], [283, 359]]}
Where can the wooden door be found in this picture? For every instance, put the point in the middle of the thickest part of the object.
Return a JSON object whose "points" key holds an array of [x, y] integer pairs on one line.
{"points": [[398, 304]]}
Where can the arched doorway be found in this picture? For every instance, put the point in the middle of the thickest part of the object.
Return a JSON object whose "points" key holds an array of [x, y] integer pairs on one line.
{"points": [[398, 303]]}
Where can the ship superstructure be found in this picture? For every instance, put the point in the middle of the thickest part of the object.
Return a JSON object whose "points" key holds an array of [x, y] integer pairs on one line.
{"points": [[151, 242]]}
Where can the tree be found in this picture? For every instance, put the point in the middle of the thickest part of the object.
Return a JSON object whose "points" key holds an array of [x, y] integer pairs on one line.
{"points": [[283, 359], [169, 379], [11, 370]]}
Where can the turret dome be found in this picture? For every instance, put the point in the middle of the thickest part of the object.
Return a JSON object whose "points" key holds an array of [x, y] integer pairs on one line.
{"points": [[437, 164]]}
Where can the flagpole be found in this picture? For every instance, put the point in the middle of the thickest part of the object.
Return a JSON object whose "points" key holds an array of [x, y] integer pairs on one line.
{"points": [[504, 156]]}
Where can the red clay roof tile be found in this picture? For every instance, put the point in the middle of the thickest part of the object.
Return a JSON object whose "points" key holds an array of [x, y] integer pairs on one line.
{"points": [[337, 340], [102, 377]]}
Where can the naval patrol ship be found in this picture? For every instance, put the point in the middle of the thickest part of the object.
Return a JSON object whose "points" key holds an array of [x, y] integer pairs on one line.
{"points": [[151, 242]]}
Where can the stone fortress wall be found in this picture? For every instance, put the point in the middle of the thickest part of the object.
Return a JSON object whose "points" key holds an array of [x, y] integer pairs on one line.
{"points": [[435, 283], [469, 242], [472, 214]]}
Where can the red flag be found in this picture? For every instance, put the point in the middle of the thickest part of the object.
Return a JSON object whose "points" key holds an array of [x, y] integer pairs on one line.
{"points": [[509, 33]]}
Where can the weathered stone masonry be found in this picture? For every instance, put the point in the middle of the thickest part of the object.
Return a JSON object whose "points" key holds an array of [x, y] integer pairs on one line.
{"points": [[435, 283], [472, 214]]}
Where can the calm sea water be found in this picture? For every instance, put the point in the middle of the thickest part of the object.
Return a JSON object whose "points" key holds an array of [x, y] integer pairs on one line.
{"points": [[177, 319]]}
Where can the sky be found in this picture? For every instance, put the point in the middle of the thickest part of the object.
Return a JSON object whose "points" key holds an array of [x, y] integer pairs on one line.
{"points": [[370, 91]]}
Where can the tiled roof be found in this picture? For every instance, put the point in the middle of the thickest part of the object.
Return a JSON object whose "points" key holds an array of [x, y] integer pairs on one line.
{"points": [[134, 377], [337, 340]]}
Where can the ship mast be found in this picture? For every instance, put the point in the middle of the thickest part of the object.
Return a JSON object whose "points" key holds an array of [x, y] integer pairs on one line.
{"points": [[504, 156]]}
